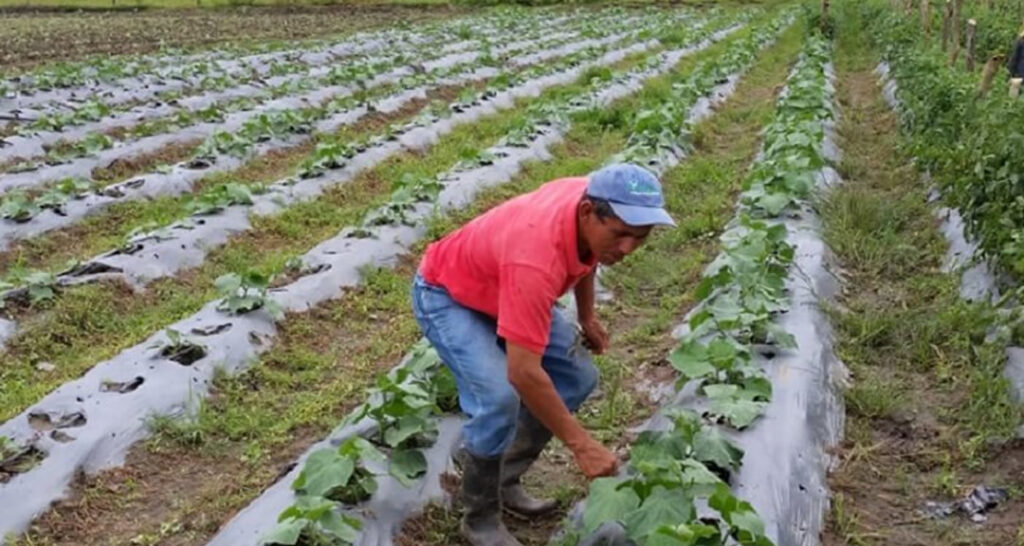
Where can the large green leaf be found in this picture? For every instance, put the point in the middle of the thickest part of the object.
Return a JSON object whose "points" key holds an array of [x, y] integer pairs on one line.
{"points": [[709, 445], [407, 465], [608, 502], [286, 533], [662, 507], [691, 359], [325, 469]]}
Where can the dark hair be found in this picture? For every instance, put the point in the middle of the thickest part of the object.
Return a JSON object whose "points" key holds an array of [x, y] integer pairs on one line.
{"points": [[602, 208]]}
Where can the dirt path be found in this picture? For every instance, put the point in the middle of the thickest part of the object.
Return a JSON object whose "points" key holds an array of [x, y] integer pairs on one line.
{"points": [[926, 413]]}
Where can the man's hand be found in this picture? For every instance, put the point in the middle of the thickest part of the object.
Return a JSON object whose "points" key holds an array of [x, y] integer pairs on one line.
{"points": [[595, 460], [595, 337]]}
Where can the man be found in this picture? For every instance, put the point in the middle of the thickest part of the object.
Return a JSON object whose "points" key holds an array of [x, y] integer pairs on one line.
{"points": [[485, 298]]}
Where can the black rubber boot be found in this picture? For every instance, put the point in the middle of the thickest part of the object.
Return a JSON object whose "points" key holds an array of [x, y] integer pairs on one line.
{"points": [[531, 437], [481, 480]]}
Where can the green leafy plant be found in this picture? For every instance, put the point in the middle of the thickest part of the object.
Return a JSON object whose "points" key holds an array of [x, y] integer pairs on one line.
{"points": [[313, 520], [178, 347], [220, 197], [19, 207], [245, 293], [656, 502]]}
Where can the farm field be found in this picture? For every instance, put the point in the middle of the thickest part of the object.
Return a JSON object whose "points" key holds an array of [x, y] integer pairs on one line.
{"points": [[207, 250]]}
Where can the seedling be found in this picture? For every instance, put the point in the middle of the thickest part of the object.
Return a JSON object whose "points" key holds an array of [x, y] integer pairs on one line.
{"points": [[245, 293], [179, 348]]}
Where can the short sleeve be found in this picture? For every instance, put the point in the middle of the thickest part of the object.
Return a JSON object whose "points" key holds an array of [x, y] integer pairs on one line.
{"points": [[526, 295]]}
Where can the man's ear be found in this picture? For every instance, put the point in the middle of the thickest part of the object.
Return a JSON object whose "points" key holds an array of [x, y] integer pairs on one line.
{"points": [[585, 208]]}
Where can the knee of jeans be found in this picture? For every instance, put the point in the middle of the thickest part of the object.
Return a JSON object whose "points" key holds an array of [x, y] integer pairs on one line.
{"points": [[584, 383], [500, 424]]}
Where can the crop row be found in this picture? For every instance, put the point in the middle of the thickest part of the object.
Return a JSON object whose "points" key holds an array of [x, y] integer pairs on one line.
{"points": [[676, 490], [968, 144], [254, 119]]}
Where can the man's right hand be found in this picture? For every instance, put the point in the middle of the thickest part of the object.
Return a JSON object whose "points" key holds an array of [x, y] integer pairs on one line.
{"points": [[595, 460], [540, 397]]}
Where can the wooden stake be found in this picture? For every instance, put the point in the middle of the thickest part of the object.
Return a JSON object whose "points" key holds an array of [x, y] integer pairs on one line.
{"points": [[972, 32], [954, 24], [1015, 87], [989, 73], [947, 13], [926, 20], [824, 16]]}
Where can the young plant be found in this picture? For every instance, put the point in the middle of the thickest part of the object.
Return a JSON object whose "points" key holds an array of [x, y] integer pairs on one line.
{"points": [[313, 520], [245, 293], [657, 503], [179, 348], [18, 207], [220, 197]]}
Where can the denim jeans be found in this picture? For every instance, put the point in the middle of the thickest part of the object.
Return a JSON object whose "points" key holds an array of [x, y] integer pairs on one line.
{"points": [[467, 342]]}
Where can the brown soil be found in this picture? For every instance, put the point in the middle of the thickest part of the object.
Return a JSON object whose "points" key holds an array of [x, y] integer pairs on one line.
{"points": [[127, 167]]}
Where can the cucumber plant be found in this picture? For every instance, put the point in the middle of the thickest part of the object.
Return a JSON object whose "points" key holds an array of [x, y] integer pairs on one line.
{"points": [[245, 293]]}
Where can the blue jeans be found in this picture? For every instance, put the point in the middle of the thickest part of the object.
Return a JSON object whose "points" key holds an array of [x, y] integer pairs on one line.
{"points": [[467, 342]]}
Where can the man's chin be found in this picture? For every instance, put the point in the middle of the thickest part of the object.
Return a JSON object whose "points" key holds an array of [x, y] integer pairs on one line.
{"points": [[609, 260]]}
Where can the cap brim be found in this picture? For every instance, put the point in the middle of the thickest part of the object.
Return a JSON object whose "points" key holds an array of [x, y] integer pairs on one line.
{"points": [[642, 216]]}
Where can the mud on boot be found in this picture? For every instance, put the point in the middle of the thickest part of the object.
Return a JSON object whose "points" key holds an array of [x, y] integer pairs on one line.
{"points": [[481, 499], [531, 438]]}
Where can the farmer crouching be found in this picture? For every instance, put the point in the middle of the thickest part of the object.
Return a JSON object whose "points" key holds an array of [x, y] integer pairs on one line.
{"points": [[485, 298]]}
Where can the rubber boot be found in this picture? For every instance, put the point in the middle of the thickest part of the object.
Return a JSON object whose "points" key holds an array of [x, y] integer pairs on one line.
{"points": [[481, 480], [531, 437]]}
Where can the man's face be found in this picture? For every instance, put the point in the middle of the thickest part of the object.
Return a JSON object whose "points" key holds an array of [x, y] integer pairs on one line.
{"points": [[609, 239]]}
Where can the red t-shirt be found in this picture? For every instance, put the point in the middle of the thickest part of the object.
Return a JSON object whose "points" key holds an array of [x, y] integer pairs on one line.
{"points": [[514, 261]]}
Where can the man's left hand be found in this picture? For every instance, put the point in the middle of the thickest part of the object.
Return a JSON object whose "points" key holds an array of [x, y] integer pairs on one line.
{"points": [[595, 337]]}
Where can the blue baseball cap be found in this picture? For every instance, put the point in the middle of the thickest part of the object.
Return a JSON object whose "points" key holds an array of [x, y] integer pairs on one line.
{"points": [[633, 192]]}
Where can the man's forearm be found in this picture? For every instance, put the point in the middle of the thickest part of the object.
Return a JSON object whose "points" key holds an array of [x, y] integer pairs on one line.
{"points": [[585, 297], [538, 393]]}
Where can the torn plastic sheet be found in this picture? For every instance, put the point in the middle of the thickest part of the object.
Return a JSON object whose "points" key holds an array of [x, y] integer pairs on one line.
{"points": [[185, 244], [979, 277], [975, 505], [7, 330], [170, 388], [805, 416]]}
